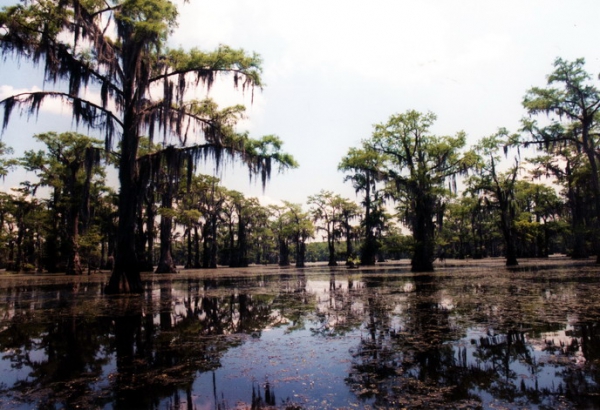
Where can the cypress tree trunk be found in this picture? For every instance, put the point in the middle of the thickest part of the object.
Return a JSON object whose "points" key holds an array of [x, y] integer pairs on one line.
{"points": [[73, 259], [188, 236], [284, 253], [423, 235], [232, 252], [349, 248], [214, 248], [19, 257], [590, 150], [205, 247], [197, 264], [166, 263], [300, 253], [577, 224], [240, 252], [379, 253], [243, 245], [53, 242], [126, 277], [141, 239], [331, 247], [509, 238], [369, 248], [52, 251], [150, 215], [511, 253], [103, 256], [210, 248]]}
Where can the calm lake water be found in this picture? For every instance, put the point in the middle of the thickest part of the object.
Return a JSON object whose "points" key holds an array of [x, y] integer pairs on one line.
{"points": [[471, 335]]}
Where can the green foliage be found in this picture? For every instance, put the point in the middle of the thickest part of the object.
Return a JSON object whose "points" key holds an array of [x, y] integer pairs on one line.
{"points": [[332, 214], [23, 222], [498, 187], [317, 252], [6, 164], [70, 166], [120, 48], [168, 212], [263, 152], [365, 166], [223, 59], [569, 95], [395, 245], [89, 249], [147, 20], [416, 165], [571, 105], [291, 225]]}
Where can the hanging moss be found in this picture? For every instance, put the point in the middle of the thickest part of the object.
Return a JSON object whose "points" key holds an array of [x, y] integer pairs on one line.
{"points": [[125, 56]]}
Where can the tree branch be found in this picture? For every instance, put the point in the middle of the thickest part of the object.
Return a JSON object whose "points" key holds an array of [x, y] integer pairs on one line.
{"points": [[80, 107]]}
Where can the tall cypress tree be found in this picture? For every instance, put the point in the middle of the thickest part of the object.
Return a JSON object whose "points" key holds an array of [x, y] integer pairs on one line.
{"points": [[121, 48]]}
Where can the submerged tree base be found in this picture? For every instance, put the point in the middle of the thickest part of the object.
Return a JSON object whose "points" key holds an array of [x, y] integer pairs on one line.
{"points": [[421, 265], [166, 268], [122, 283]]}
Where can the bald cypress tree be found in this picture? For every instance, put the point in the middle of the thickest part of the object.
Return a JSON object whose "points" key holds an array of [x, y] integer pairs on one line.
{"points": [[120, 47], [67, 166], [417, 166], [364, 166], [571, 105]]}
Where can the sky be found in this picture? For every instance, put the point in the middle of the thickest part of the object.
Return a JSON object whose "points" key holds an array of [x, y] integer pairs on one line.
{"points": [[335, 68]]}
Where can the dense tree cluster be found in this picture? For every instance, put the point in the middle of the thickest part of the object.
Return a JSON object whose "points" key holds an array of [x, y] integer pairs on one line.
{"points": [[167, 213], [531, 207], [120, 48]]}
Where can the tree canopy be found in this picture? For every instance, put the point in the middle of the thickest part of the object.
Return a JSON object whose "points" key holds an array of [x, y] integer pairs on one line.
{"points": [[122, 49], [417, 165]]}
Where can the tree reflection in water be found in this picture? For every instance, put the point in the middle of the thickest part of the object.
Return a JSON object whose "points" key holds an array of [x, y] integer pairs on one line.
{"points": [[403, 359], [422, 357], [132, 353], [306, 340]]}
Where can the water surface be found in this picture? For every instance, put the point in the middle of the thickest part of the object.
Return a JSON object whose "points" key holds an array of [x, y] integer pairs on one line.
{"points": [[471, 335]]}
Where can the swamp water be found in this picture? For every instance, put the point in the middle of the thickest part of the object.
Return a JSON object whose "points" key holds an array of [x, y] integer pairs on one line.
{"points": [[467, 336]]}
